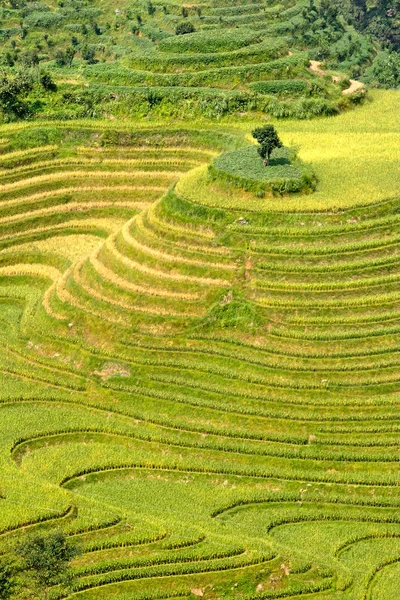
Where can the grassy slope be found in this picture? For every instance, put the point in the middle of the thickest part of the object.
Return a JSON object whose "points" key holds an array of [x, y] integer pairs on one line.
{"points": [[142, 68], [202, 404]]}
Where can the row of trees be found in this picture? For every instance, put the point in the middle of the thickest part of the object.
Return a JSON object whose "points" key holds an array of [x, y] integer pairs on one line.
{"points": [[41, 561]]}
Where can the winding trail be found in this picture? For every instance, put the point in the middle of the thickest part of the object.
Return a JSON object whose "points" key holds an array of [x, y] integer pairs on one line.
{"points": [[355, 86]]}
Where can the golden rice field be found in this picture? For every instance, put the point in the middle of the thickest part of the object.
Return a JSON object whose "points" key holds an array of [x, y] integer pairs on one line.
{"points": [[201, 387]]}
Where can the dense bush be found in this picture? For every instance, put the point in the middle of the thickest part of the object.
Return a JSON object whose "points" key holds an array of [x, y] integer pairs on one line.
{"points": [[47, 20], [379, 19], [13, 92], [385, 70], [184, 27]]}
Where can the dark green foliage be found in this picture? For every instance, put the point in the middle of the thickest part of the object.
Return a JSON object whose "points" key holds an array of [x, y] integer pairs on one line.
{"points": [[7, 582], [43, 19], [47, 556], [29, 58], [7, 59], [47, 82], [268, 138], [60, 58], [65, 58], [380, 19], [385, 70], [13, 91], [184, 27], [69, 55], [88, 54], [320, 25]]}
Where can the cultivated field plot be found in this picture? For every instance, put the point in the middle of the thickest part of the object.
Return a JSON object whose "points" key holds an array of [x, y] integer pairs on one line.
{"points": [[198, 388]]}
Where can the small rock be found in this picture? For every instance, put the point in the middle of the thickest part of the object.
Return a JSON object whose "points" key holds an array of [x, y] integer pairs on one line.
{"points": [[242, 221], [260, 587], [197, 592]]}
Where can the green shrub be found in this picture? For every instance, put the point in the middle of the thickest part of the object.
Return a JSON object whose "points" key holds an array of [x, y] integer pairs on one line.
{"points": [[385, 71], [184, 27]]}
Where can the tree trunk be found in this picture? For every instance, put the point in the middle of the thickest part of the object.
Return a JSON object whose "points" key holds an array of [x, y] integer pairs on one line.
{"points": [[266, 161]]}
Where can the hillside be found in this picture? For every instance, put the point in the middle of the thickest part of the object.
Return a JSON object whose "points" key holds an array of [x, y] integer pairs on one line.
{"points": [[86, 59], [199, 356], [196, 381]]}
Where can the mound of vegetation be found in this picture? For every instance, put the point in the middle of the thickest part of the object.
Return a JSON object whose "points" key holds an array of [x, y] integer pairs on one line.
{"points": [[245, 168], [267, 167]]}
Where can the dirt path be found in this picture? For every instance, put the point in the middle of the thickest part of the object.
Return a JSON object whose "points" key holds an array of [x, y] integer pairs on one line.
{"points": [[355, 86], [315, 67]]}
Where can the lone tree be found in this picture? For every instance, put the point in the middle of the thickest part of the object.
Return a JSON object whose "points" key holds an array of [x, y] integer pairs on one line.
{"points": [[268, 139], [47, 556]]}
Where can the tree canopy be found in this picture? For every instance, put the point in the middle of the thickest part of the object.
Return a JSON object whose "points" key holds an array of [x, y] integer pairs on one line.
{"points": [[268, 139], [47, 556]]}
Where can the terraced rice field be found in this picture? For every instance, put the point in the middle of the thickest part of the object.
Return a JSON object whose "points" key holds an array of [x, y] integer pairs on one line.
{"points": [[239, 57], [204, 398]]}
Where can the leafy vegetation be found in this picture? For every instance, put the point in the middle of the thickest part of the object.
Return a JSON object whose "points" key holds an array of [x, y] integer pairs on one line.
{"points": [[47, 557], [139, 59], [268, 140], [249, 170]]}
